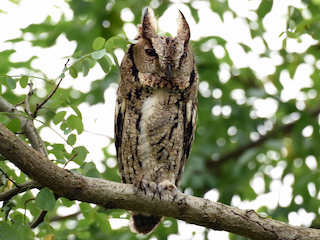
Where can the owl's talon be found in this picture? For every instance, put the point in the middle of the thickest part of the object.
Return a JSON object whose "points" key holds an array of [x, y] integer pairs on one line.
{"points": [[154, 193], [175, 193], [153, 187], [143, 186]]}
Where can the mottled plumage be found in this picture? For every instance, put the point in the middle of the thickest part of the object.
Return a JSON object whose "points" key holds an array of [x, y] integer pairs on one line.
{"points": [[156, 112]]}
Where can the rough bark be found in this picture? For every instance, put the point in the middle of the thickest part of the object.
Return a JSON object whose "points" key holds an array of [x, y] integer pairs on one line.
{"points": [[27, 126], [124, 196]]}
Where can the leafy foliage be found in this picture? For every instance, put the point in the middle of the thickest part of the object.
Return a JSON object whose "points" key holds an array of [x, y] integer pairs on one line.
{"points": [[239, 151]]}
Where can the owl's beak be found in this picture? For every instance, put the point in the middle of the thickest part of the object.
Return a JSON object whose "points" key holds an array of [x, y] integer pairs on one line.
{"points": [[168, 70]]}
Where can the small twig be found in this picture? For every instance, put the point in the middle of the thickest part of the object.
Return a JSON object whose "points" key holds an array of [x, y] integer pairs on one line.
{"points": [[27, 100], [62, 218], [5, 196], [98, 134], [39, 219], [9, 178], [34, 115], [76, 154], [20, 103], [25, 208], [39, 106]]}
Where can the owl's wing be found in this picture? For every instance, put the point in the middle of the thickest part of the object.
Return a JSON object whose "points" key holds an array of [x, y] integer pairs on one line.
{"points": [[190, 126], [190, 117], [118, 122]]}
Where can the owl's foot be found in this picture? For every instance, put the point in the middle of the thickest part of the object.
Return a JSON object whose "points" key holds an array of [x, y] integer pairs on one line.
{"points": [[167, 185], [143, 185], [164, 185]]}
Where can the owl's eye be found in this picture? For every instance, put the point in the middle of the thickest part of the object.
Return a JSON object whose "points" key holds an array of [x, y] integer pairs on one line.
{"points": [[151, 53]]}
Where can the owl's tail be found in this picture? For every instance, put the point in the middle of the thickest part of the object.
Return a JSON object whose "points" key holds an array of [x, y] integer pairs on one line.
{"points": [[143, 223]]}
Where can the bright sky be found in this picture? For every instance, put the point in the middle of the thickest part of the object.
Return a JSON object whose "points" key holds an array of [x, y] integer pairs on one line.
{"points": [[99, 118]]}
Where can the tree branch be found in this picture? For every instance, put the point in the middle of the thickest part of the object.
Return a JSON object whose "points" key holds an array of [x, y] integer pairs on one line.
{"points": [[39, 219], [63, 218], [124, 196], [5, 196], [39, 106], [27, 126]]}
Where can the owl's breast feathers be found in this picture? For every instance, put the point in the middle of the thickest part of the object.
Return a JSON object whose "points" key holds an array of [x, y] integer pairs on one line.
{"points": [[154, 134]]}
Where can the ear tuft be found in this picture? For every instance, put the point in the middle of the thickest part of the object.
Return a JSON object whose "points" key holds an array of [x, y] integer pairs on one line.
{"points": [[183, 28], [148, 27]]}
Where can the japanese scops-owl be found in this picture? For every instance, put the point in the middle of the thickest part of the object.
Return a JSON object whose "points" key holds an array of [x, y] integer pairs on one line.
{"points": [[156, 111]]}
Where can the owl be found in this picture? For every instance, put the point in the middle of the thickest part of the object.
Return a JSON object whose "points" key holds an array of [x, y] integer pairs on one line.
{"points": [[156, 111]]}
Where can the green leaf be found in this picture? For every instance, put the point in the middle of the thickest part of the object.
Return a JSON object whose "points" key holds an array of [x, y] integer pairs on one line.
{"points": [[85, 67], [63, 126], [59, 117], [83, 235], [17, 216], [316, 34], [98, 43], [18, 231], [77, 54], [103, 221], [88, 166], [45, 199], [90, 170], [11, 82], [98, 54], [66, 202], [73, 72], [120, 42], [49, 236], [87, 210], [14, 125], [115, 42], [264, 8], [62, 75], [72, 139], [64, 69], [77, 111], [24, 81], [284, 43], [75, 122], [56, 103], [104, 63], [93, 173], [82, 154]]}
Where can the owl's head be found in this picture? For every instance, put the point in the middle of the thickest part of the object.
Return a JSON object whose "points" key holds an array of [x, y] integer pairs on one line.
{"points": [[167, 57]]}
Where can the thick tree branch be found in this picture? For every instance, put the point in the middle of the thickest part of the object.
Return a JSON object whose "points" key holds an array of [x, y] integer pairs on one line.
{"points": [[123, 196], [283, 130], [27, 126]]}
